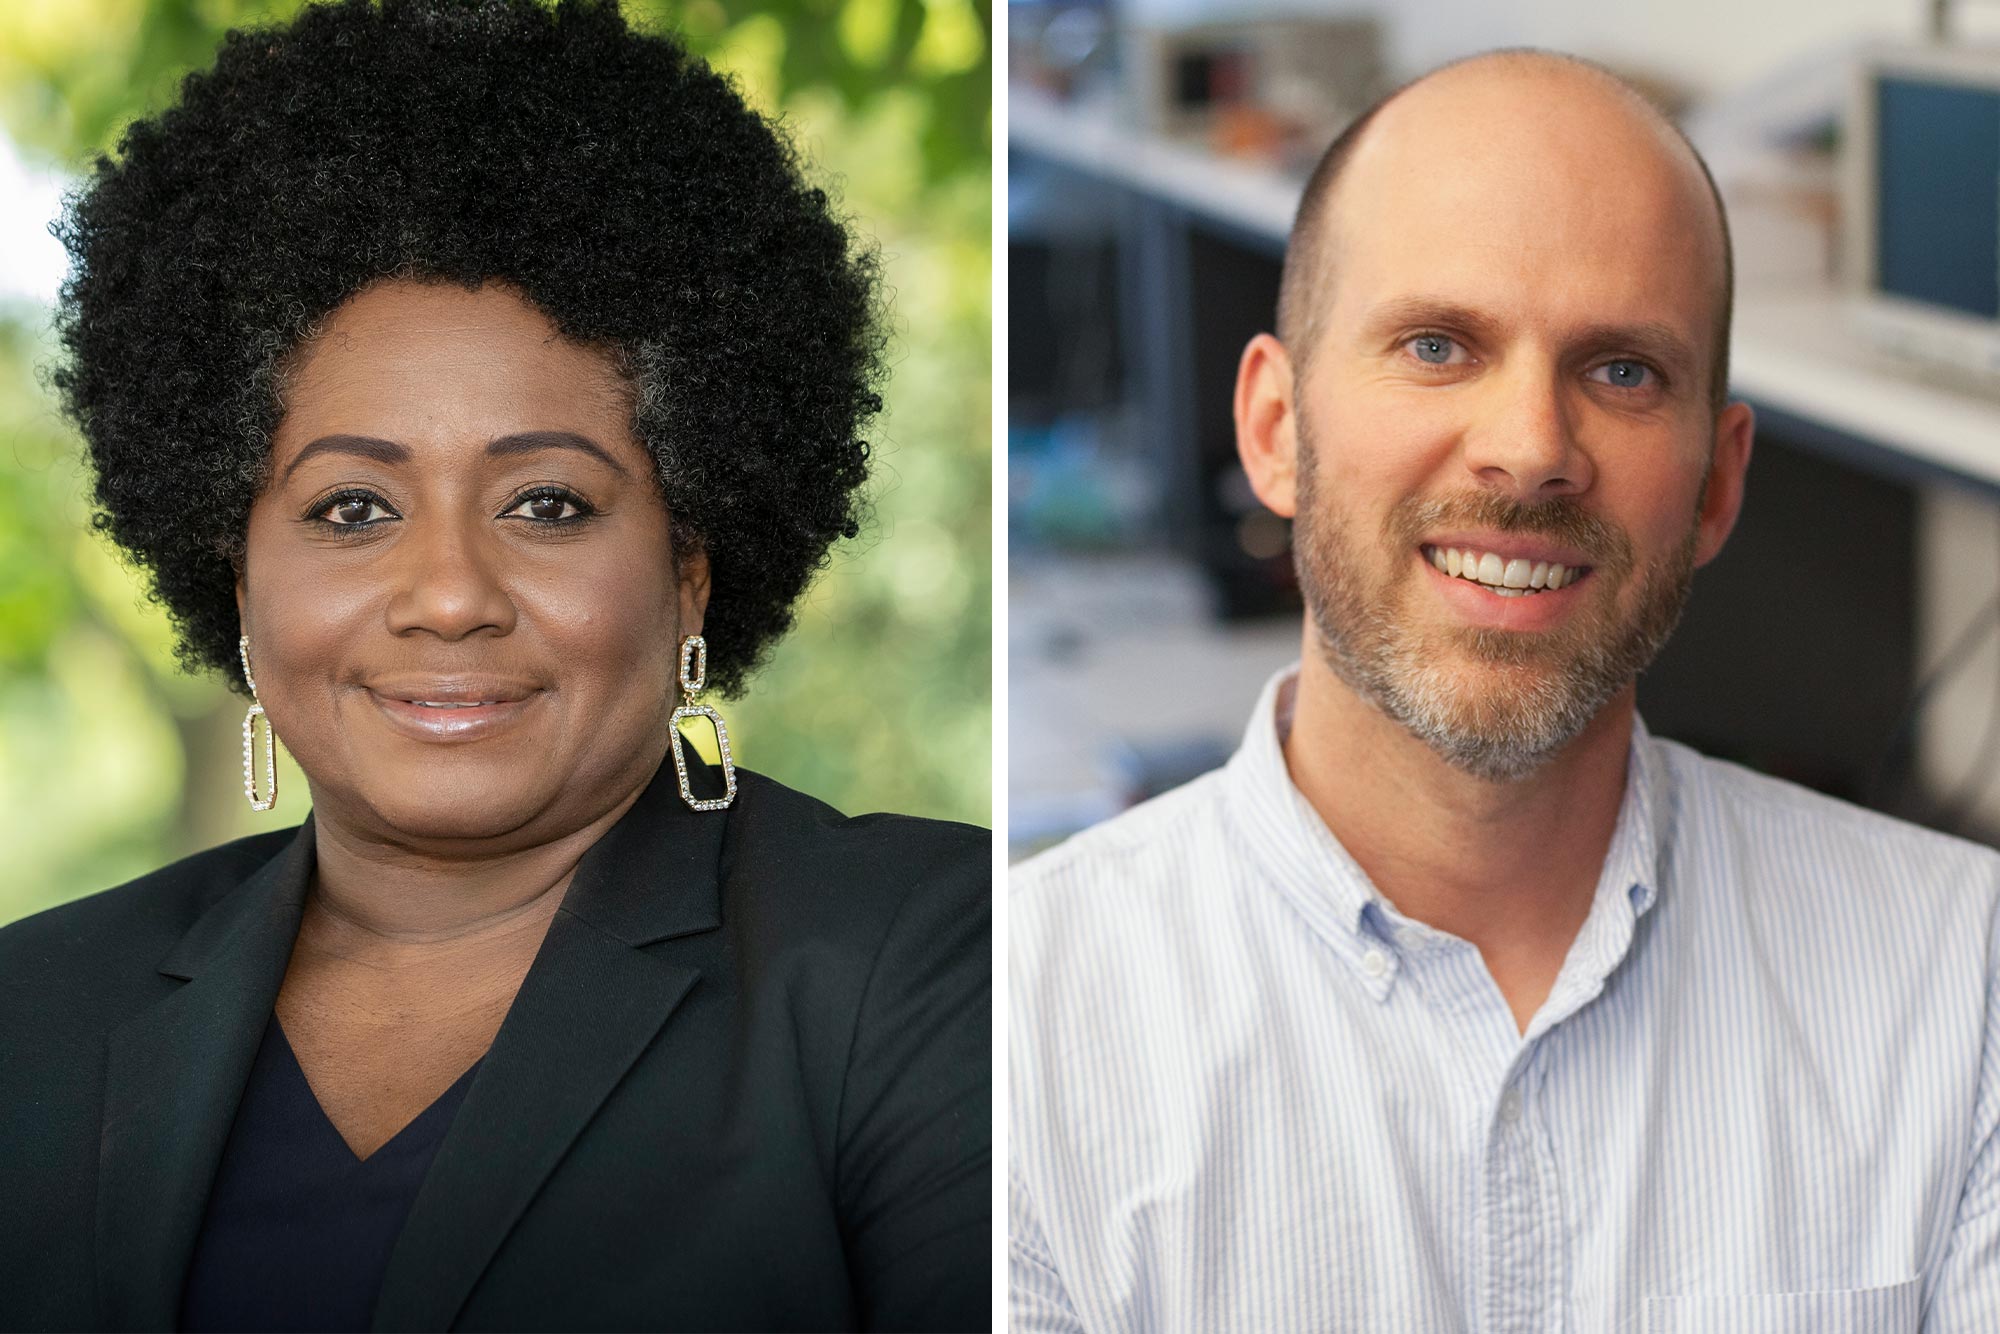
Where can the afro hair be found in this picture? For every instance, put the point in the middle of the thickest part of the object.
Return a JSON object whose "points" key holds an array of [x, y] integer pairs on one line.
{"points": [[614, 179]]}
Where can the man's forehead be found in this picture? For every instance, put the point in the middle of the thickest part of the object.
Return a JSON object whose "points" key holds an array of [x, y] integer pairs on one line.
{"points": [[1526, 172], [1540, 251]]}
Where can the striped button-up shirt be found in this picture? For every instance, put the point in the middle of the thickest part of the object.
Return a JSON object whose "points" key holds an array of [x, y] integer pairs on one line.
{"points": [[1248, 1094]]}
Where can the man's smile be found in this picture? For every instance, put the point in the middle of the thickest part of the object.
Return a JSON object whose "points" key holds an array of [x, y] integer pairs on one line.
{"points": [[1497, 590], [1508, 576]]}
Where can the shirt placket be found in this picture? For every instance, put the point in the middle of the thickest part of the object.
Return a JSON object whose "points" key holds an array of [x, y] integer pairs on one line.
{"points": [[1517, 1199], [1518, 1206], [1520, 1209]]}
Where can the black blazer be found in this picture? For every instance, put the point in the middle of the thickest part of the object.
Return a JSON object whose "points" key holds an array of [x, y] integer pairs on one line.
{"points": [[745, 1085]]}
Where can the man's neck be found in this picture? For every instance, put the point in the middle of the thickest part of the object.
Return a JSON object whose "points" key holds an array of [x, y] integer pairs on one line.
{"points": [[1510, 867]]}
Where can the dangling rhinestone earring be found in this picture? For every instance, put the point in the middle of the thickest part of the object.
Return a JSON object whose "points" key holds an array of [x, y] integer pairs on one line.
{"points": [[694, 675], [266, 802]]}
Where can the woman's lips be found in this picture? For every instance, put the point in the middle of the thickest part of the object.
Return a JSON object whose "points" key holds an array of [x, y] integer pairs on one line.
{"points": [[452, 720]]}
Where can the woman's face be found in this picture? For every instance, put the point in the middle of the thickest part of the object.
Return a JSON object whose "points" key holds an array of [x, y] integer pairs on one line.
{"points": [[459, 585]]}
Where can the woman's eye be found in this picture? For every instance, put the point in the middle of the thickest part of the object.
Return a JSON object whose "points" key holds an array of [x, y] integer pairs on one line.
{"points": [[1625, 375], [1435, 349], [550, 507], [353, 511]]}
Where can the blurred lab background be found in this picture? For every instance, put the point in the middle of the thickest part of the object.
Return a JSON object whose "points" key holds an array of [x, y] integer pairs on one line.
{"points": [[1848, 638], [114, 762]]}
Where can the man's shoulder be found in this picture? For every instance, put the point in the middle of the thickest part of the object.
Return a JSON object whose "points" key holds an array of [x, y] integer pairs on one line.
{"points": [[1140, 893], [1797, 835], [1145, 847]]}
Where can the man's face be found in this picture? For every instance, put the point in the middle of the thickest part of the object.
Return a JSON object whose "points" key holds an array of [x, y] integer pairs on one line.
{"points": [[1510, 380]]}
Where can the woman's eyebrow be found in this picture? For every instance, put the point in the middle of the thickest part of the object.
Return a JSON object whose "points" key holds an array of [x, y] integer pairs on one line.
{"points": [[533, 442], [388, 451], [361, 446]]}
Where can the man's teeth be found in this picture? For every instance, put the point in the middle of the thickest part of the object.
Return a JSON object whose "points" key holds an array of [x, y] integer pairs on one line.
{"points": [[1509, 578], [452, 704]]}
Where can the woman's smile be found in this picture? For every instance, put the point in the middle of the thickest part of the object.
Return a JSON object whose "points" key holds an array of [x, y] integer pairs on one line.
{"points": [[453, 711]]}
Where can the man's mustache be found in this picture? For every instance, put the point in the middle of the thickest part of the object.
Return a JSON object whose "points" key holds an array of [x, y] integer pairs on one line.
{"points": [[1561, 519]]}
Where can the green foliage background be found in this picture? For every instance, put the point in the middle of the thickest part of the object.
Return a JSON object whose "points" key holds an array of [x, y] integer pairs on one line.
{"points": [[113, 762]]}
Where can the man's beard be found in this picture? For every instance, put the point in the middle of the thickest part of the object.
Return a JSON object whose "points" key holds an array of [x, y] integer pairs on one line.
{"points": [[1497, 704]]}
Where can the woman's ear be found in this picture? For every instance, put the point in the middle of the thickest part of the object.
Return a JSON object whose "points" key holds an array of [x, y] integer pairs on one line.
{"points": [[693, 578]]}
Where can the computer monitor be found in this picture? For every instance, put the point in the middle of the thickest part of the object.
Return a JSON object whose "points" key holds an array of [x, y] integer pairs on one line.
{"points": [[1923, 204]]}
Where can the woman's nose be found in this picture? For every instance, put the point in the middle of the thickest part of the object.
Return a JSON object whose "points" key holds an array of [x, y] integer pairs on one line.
{"points": [[446, 580]]}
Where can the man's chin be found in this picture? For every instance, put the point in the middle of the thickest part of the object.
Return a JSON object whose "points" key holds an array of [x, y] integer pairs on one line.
{"points": [[1499, 721], [1495, 665], [1497, 754], [1497, 704]]}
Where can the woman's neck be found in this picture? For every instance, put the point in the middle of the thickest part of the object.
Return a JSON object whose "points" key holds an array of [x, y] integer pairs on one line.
{"points": [[368, 885]]}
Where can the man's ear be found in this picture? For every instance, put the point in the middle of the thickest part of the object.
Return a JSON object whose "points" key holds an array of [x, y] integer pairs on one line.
{"points": [[1722, 498], [1267, 424]]}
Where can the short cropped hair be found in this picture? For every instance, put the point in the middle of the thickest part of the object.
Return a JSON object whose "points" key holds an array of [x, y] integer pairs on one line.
{"points": [[614, 179]]}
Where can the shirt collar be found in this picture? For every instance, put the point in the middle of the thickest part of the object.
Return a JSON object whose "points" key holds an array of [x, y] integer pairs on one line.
{"points": [[1306, 862], [1284, 832]]}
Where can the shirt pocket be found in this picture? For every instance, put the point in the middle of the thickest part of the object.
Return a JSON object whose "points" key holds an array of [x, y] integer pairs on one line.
{"points": [[1885, 1310]]}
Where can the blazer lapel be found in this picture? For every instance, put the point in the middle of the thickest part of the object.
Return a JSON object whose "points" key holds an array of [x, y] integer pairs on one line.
{"points": [[588, 1007], [175, 1074]]}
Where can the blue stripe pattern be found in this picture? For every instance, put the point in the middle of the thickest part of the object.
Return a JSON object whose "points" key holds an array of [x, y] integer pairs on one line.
{"points": [[1247, 1094]]}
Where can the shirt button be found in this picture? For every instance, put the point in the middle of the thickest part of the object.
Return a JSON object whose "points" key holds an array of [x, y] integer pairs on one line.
{"points": [[1510, 1108], [1374, 963]]}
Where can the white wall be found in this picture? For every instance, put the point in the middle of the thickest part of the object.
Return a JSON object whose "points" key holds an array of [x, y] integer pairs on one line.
{"points": [[1706, 46]]}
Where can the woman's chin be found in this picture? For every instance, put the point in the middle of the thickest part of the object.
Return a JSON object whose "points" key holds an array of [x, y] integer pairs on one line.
{"points": [[451, 809], [452, 795]]}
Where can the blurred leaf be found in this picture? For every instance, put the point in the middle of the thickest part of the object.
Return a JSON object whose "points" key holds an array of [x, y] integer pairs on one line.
{"points": [[952, 42], [867, 28]]}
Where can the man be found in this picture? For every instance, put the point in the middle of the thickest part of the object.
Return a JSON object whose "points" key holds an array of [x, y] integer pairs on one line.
{"points": [[1456, 1001]]}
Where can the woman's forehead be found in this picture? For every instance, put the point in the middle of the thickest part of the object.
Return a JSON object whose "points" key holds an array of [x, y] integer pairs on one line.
{"points": [[402, 319], [414, 362]]}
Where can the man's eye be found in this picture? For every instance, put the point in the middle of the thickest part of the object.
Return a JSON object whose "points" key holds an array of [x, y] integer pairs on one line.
{"points": [[353, 510], [1435, 349], [551, 507], [1625, 375]]}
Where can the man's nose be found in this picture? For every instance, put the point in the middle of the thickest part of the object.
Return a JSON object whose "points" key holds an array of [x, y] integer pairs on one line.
{"points": [[446, 580], [1524, 439]]}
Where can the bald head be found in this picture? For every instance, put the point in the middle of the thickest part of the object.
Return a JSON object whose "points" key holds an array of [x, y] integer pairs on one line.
{"points": [[1519, 130]]}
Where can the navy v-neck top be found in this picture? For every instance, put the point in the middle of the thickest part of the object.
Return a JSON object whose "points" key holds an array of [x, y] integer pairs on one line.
{"points": [[298, 1230]]}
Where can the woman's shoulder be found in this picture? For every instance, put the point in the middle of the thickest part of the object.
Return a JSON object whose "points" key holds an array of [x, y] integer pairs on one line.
{"points": [[867, 845], [75, 944], [821, 871]]}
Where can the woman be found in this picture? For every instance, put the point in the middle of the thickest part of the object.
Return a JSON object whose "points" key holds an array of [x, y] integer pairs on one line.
{"points": [[478, 384]]}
